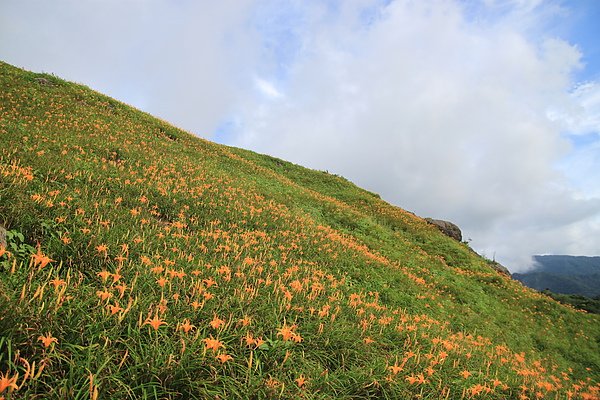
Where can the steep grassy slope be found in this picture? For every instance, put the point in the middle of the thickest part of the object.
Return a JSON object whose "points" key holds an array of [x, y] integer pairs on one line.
{"points": [[143, 262]]}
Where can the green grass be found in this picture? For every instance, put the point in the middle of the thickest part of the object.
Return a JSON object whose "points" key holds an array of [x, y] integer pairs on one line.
{"points": [[589, 304], [312, 287]]}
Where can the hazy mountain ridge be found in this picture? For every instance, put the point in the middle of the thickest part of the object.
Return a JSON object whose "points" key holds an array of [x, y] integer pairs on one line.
{"points": [[564, 274]]}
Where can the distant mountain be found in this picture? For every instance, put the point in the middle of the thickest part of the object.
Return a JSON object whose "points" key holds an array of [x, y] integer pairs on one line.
{"points": [[564, 274]]}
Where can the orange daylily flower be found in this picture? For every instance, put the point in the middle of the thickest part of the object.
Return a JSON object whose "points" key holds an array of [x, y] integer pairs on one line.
{"points": [[465, 374], [39, 259], [301, 381], [297, 338], [102, 248], [3, 251], [146, 260], [395, 368], [287, 333], [158, 269], [56, 282], [47, 340], [272, 382], [121, 259], [162, 282], [186, 326], [196, 305], [213, 344], [115, 309], [155, 322], [249, 339], [418, 379], [104, 275], [258, 342], [476, 390], [209, 282], [223, 358], [122, 287], [217, 323], [105, 294], [8, 383]]}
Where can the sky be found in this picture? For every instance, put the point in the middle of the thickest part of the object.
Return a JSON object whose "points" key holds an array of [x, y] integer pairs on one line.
{"points": [[482, 112]]}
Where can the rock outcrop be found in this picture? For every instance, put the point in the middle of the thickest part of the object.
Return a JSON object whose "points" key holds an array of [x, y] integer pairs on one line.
{"points": [[447, 227], [500, 268], [43, 81]]}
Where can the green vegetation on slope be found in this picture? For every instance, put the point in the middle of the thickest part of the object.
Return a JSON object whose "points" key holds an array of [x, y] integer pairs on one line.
{"points": [[591, 305], [143, 262]]}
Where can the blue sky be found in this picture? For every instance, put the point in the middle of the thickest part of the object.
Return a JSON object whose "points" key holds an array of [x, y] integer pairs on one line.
{"points": [[583, 30], [484, 112]]}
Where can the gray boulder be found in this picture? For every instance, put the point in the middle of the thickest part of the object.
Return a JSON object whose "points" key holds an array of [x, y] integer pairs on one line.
{"points": [[43, 81], [447, 227], [500, 268]]}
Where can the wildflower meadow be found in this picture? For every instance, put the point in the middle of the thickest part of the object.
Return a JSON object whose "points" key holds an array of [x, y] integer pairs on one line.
{"points": [[141, 261]]}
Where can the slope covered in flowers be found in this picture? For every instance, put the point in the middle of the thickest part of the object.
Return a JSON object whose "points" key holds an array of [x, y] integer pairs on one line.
{"points": [[144, 262]]}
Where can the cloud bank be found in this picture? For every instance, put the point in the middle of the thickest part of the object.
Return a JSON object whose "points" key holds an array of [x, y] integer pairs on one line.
{"points": [[184, 61], [445, 115]]}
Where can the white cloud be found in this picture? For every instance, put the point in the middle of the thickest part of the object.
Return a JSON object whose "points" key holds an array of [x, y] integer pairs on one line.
{"points": [[581, 168], [443, 116], [177, 60], [267, 89], [582, 114]]}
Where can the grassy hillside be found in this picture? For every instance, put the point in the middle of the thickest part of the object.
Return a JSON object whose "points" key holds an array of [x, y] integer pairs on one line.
{"points": [[144, 262], [588, 304]]}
